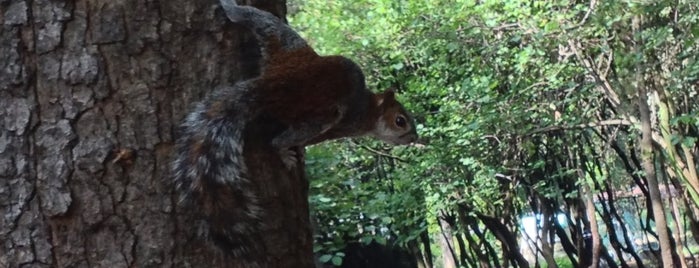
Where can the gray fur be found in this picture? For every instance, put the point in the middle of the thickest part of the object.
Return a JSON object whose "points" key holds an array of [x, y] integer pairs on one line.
{"points": [[264, 25], [209, 166]]}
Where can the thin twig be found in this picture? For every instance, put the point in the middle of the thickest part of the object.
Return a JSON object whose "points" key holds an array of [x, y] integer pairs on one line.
{"points": [[611, 122], [378, 152]]}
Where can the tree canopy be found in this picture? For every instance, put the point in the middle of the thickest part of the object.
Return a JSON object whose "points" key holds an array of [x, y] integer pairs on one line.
{"points": [[525, 108]]}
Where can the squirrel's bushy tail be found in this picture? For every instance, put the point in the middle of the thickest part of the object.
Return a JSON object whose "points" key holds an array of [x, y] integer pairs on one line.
{"points": [[209, 174], [266, 27]]}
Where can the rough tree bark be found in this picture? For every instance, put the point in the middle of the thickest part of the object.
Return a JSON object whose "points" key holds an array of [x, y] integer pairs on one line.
{"points": [[90, 94]]}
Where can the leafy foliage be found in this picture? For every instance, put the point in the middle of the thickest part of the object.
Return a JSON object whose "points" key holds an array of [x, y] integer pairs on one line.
{"points": [[521, 105]]}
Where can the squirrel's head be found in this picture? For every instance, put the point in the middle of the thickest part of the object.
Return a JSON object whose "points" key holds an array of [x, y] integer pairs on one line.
{"points": [[395, 125]]}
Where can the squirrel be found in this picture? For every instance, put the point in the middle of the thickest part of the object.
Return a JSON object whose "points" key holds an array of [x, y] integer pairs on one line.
{"points": [[303, 97]]}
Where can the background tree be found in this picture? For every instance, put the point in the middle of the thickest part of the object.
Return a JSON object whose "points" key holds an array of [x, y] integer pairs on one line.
{"points": [[91, 93]]}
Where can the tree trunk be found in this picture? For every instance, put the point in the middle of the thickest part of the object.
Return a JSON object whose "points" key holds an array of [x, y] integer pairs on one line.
{"points": [[427, 257], [653, 187], [546, 241], [507, 239], [90, 95], [595, 238], [417, 253], [445, 241], [647, 156]]}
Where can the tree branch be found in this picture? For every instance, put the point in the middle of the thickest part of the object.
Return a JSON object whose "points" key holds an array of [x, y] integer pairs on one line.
{"points": [[374, 151], [611, 122]]}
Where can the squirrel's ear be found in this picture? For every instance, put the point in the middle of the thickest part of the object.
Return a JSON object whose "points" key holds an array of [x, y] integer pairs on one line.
{"points": [[386, 96], [390, 94]]}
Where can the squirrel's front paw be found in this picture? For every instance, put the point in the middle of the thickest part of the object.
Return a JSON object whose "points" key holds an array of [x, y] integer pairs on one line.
{"points": [[289, 157]]}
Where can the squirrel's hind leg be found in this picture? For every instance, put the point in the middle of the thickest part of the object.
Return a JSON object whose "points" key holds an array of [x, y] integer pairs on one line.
{"points": [[300, 134], [293, 137]]}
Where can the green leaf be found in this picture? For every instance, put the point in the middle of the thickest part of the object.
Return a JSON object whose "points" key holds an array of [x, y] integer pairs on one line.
{"points": [[337, 260], [397, 66], [325, 258]]}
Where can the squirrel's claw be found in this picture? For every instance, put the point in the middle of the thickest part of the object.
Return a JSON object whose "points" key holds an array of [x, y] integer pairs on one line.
{"points": [[289, 157]]}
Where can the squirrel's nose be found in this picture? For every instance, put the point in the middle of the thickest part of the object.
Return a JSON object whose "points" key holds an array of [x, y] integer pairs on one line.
{"points": [[408, 138]]}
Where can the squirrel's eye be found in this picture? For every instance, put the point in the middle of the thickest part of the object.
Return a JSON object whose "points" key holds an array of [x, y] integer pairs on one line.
{"points": [[400, 121]]}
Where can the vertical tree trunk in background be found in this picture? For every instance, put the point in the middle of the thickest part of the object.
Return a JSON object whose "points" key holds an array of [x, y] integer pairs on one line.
{"points": [[649, 167], [594, 228], [90, 94], [648, 159], [445, 241], [507, 239], [423, 260], [546, 245]]}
